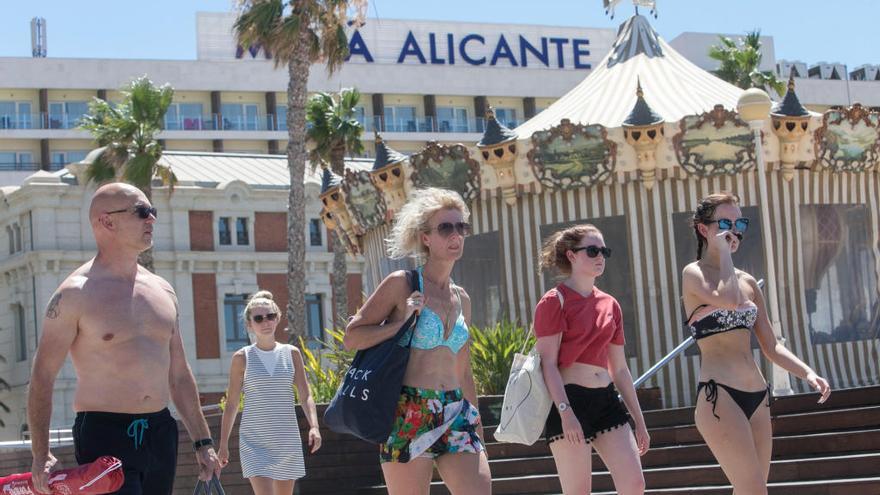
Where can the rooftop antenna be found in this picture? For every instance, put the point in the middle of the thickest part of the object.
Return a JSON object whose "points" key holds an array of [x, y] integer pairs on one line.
{"points": [[38, 37]]}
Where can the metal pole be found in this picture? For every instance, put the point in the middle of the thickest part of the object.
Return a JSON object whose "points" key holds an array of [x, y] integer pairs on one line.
{"points": [[781, 379]]}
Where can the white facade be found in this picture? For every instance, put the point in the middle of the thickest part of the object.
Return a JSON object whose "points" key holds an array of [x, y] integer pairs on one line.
{"points": [[48, 220]]}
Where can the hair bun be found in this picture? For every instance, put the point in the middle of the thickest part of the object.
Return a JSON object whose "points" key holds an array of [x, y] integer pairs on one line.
{"points": [[262, 294]]}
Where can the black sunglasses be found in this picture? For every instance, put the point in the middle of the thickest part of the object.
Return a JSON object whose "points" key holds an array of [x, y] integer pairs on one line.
{"points": [[143, 211], [741, 224], [593, 251], [445, 229], [267, 317]]}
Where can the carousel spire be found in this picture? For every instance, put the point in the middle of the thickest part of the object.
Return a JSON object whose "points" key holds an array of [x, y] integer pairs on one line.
{"points": [[642, 113], [790, 106], [388, 176], [790, 123], [496, 132], [498, 149], [385, 155], [643, 130], [329, 180]]}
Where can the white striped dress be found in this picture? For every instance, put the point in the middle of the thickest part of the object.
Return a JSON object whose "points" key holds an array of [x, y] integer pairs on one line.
{"points": [[269, 443]]}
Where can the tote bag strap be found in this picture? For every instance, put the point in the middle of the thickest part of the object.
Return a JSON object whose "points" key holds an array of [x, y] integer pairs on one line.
{"points": [[531, 329], [415, 285]]}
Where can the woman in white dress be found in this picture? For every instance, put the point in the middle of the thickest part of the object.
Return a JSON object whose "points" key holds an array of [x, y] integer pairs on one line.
{"points": [[269, 443]]}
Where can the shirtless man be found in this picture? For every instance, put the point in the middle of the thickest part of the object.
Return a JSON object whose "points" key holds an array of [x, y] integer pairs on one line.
{"points": [[120, 324]]}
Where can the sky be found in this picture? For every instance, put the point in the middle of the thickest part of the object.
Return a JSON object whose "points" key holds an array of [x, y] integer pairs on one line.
{"points": [[807, 30]]}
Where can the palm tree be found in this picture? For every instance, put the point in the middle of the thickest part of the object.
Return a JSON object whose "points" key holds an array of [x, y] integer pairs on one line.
{"points": [[297, 33], [126, 136], [740, 63], [334, 130]]}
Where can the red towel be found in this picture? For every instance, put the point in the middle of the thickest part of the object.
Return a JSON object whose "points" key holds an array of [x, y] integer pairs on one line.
{"points": [[95, 478]]}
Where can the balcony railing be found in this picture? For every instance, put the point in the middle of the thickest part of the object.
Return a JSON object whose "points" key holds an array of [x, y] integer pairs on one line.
{"points": [[20, 121], [19, 167], [271, 122]]}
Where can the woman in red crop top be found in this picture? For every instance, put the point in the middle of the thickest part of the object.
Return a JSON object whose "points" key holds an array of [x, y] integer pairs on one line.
{"points": [[580, 340], [725, 306]]}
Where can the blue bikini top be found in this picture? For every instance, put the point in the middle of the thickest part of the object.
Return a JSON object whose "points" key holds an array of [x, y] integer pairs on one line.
{"points": [[429, 328]]}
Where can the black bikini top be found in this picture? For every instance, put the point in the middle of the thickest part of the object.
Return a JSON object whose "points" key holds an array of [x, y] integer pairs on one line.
{"points": [[722, 320]]}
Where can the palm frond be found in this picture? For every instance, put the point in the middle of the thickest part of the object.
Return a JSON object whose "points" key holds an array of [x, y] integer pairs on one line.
{"points": [[139, 170], [103, 168]]}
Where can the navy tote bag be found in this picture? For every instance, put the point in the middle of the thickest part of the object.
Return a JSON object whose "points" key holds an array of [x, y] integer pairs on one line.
{"points": [[366, 402]]}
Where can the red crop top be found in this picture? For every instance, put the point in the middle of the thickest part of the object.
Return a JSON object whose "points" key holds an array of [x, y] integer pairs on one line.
{"points": [[588, 324]]}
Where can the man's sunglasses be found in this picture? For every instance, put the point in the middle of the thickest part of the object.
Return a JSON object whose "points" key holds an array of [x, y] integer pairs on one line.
{"points": [[143, 211], [445, 229], [267, 317], [741, 224], [593, 251]]}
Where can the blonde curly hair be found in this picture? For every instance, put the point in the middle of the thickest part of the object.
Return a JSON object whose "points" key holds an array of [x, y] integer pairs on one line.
{"points": [[405, 239]]}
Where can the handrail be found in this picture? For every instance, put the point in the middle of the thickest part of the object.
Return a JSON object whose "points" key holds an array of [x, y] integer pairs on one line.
{"points": [[672, 355]]}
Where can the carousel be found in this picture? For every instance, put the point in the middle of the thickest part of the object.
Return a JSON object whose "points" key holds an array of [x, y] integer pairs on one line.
{"points": [[631, 149]]}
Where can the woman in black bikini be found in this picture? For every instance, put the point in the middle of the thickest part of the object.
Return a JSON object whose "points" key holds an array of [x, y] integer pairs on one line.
{"points": [[725, 305]]}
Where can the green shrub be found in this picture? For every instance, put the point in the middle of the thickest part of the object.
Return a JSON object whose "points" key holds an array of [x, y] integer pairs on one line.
{"points": [[326, 377], [492, 350]]}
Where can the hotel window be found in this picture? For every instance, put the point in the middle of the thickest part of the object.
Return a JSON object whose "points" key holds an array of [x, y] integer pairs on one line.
{"points": [[21, 350], [16, 160], [400, 119], [314, 317], [281, 117], [224, 232], [184, 116], [16, 228], [840, 273], [240, 116], [506, 116], [61, 159], [749, 257], [66, 114], [15, 115], [236, 331], [618, 278], [241, 231], [452, 119], [315, 237], [11, 238]]}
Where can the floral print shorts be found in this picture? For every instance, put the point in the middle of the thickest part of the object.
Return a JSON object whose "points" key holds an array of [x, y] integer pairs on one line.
{"points": [[421, 410]]}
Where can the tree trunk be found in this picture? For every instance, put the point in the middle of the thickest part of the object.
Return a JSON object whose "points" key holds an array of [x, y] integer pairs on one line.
{"points": [[298, 73], [340, 267], [146, 257]]}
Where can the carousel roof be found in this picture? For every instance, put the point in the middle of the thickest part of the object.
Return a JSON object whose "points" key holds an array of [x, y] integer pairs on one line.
{"points": [[674, 87]]}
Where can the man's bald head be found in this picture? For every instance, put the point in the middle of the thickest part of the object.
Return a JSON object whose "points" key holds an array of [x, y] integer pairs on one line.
{"points": [[112, 197]]}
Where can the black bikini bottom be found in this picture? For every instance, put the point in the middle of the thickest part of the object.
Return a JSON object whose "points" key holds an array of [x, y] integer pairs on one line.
{"points": [[747, 401]]}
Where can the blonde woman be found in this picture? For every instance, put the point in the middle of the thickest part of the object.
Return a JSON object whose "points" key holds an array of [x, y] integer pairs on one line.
{"points": [[581, 343], [269, 444], [725, 306], [437, 418]]}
